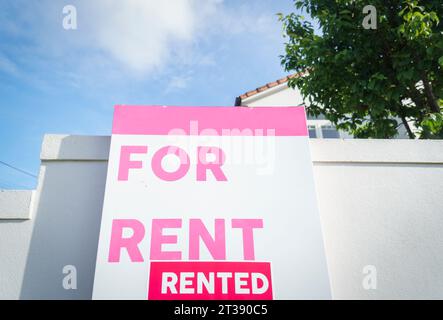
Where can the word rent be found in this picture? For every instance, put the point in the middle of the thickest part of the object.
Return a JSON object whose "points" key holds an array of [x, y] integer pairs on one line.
{"points": [[216, 244]]}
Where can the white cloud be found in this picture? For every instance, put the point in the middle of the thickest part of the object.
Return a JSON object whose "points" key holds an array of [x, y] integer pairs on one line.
{"points": [[178, 82], [143, 34], [7, 66], [138, 37]]}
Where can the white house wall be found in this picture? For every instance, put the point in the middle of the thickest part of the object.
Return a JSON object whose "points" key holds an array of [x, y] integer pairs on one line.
{"points": [[281, 95]]}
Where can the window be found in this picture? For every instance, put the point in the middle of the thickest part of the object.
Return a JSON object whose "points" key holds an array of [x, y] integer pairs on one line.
{"points": [[312, 132], [319, 117], [329, 132]]}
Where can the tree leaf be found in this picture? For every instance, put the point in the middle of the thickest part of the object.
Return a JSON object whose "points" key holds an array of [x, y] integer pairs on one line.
{"points": [[365, 80]]}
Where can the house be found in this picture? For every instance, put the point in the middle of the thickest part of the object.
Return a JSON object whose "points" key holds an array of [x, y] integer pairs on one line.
{"points": [[277, 93]]}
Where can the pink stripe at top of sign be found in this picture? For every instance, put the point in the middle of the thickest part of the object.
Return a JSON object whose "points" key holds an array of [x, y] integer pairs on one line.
{"points": [[164, 120]]}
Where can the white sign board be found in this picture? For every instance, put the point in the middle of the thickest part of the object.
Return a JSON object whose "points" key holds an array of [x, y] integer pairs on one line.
{"points": [[210, 203]]}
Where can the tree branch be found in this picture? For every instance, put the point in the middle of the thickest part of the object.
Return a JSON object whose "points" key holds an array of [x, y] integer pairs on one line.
{"points": [[432, 101], [408, 128]]}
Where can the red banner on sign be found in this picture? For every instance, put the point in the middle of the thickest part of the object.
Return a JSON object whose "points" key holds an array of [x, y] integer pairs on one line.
{"points": [[177, 280]]}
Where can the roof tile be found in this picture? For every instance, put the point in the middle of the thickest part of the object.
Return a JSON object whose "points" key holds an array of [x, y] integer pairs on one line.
{"points": [[267, 86]]}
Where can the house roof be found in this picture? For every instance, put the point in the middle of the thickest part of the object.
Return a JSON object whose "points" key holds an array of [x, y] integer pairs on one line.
{"points": [[269, 85]]}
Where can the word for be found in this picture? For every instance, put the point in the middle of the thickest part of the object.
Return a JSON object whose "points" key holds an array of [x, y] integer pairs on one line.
{"points": [[203, 165]]}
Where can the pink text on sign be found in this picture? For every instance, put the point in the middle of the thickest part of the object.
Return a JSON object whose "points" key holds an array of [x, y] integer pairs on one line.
{"points": [[203, 165], [162, 233], [210, 281]]}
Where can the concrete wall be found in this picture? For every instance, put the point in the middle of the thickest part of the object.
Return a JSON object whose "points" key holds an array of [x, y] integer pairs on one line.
{"points": [[380, 204]]}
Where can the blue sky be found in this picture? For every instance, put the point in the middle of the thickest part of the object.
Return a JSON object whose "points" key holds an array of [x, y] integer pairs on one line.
{"points": [[175, 52]]}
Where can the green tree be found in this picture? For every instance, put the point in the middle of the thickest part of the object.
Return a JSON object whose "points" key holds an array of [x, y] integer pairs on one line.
{"points": [[369, 81]]}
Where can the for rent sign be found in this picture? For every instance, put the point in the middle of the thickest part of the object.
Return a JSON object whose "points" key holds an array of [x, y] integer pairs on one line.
{"points": [[210, 203]]}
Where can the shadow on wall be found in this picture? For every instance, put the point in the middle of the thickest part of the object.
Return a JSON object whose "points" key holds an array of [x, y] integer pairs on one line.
{"points": [[67, 217]]}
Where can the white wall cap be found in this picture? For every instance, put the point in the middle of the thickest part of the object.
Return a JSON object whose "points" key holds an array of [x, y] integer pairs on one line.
{"points": [[377, 151], [15, 204], [72, 147], [96, 148]]}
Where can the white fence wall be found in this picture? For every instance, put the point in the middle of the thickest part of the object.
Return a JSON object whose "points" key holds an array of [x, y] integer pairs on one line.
{"points": [[381, 204]]}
